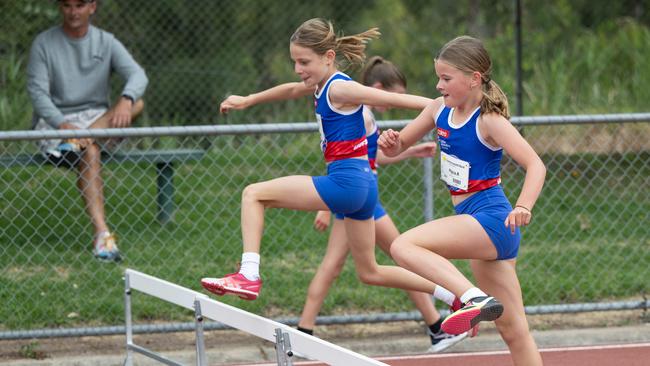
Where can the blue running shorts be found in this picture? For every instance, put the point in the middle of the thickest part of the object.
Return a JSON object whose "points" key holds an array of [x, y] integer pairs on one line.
{"points": [[349, 188], [490, 208], [379, 210]]}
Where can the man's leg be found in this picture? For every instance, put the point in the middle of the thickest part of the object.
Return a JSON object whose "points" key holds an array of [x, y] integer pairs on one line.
{"points": [[92, 187]]}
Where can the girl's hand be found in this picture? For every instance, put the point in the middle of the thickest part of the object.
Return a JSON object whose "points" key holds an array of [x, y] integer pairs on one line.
{"points": [[519, 216], [390, 143], [322, 220], [424, 150], [233, 102]]}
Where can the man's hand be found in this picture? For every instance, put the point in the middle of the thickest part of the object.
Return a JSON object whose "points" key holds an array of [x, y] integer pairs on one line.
{"points": [[122, 113]]}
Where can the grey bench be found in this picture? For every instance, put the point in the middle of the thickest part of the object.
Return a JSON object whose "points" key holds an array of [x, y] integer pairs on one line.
{"points": [[163, 160]]}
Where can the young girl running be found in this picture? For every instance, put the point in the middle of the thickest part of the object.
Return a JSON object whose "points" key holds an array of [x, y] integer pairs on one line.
{"points": [[349, 188], [381, 74], [471, 120]]}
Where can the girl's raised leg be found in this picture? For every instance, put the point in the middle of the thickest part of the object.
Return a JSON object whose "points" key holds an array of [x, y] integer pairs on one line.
{"points": [[295, 192]]}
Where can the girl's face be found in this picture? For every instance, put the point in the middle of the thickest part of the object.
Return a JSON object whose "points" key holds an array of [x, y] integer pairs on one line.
{"points": [[312, 68], [454, 85]]}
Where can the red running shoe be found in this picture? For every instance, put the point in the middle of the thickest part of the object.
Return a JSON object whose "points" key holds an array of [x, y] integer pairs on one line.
{"points": [[233, 284], [457, 305], [478, 309]]}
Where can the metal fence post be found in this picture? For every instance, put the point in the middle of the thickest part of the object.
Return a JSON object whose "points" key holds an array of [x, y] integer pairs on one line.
{"points": [[427, 179], [129, 324]]}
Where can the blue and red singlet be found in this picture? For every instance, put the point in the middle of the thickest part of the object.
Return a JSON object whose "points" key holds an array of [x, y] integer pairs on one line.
{"points": [[468, 164], [349, 188], [342, 132]]}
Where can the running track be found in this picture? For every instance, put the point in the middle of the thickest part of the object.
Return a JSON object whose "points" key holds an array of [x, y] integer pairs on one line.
{"points": [[617, 355]]}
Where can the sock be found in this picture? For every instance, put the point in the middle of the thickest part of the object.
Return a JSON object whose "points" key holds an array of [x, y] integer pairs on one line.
{"points": [[305, 330], [435, 327], [250, 266], [471, 293], [444, 295]]}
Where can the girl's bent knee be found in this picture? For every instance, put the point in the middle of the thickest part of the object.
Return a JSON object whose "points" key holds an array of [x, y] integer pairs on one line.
{"points": [[369, 277], [397, 250], [250, 193]]}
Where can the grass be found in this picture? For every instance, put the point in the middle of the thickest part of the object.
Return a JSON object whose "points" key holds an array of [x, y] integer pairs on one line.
{"points": [[588, 241]]}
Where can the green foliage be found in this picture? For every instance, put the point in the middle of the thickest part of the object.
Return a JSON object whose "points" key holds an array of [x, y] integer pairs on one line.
{"points": [[578, 56], [15, 107]]}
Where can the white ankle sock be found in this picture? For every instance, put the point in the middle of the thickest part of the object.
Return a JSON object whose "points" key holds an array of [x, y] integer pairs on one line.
{"points": [[444, 295], [250, 265], [471, 293]]}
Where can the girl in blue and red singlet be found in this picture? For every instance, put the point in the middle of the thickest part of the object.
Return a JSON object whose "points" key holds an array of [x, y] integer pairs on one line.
{"points": [[382, 74], [349, 188], [471, 120]]}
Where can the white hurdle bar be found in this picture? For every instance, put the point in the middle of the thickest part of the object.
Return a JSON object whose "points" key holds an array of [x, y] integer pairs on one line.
{"points": [[284, 337]]}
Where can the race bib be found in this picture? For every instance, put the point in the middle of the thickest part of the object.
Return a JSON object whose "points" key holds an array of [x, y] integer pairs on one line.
{"points": [[453, 171], [323, 141]]}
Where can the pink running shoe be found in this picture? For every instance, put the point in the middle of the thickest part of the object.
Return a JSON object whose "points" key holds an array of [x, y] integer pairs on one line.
{"points": [[234, 284], [457, 305], [484, 308]]}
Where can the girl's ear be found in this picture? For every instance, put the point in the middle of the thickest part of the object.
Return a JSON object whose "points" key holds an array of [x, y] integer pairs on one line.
{"points": [[330, 56], [476, 79], [377, 85]]}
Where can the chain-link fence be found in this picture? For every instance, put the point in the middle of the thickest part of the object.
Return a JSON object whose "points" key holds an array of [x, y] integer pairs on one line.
{"points": [[173, 195]]}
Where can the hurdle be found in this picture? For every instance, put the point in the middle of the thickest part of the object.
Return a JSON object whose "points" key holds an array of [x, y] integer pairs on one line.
{"points": [[284, 337]]}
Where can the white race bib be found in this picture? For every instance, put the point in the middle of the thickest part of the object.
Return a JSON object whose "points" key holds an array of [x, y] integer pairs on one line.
{"points": [[323, 142], [453, 171]]}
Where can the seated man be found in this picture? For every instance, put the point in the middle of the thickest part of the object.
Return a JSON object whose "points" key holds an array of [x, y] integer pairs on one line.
{"points": [[69, 85]]}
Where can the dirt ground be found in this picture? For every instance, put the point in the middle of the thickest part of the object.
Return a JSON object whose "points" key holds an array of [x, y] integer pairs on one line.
{"points": [[105, 345]]}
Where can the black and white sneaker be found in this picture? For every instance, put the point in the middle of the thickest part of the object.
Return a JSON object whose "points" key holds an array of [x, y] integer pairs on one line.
{"points": [[441, 341]]}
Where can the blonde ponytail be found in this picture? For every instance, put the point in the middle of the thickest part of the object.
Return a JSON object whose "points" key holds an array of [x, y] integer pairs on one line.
{"points": [[318, 35], [494, 99], [353, 48]]}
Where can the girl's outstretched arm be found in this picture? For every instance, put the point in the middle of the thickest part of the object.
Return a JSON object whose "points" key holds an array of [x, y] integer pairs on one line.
{"points": [[393, 143], [350, 92], [281, 92], [423, 150], [498, 131]]}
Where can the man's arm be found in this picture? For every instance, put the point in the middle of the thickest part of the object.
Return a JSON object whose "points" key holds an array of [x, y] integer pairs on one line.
{"points": [[38, 86], [136, 83], [124, 64]]}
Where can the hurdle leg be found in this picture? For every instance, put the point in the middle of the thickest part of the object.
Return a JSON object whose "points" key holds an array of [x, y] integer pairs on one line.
{"points": [[129, 325], [201, 359], [283, 348]]}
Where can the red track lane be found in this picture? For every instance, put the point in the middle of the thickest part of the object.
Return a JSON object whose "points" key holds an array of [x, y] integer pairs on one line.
{"points": [[617, 355]]}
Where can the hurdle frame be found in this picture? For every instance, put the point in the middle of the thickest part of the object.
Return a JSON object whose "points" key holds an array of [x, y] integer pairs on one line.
{"points": [[283, 336], [131, 347]]}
